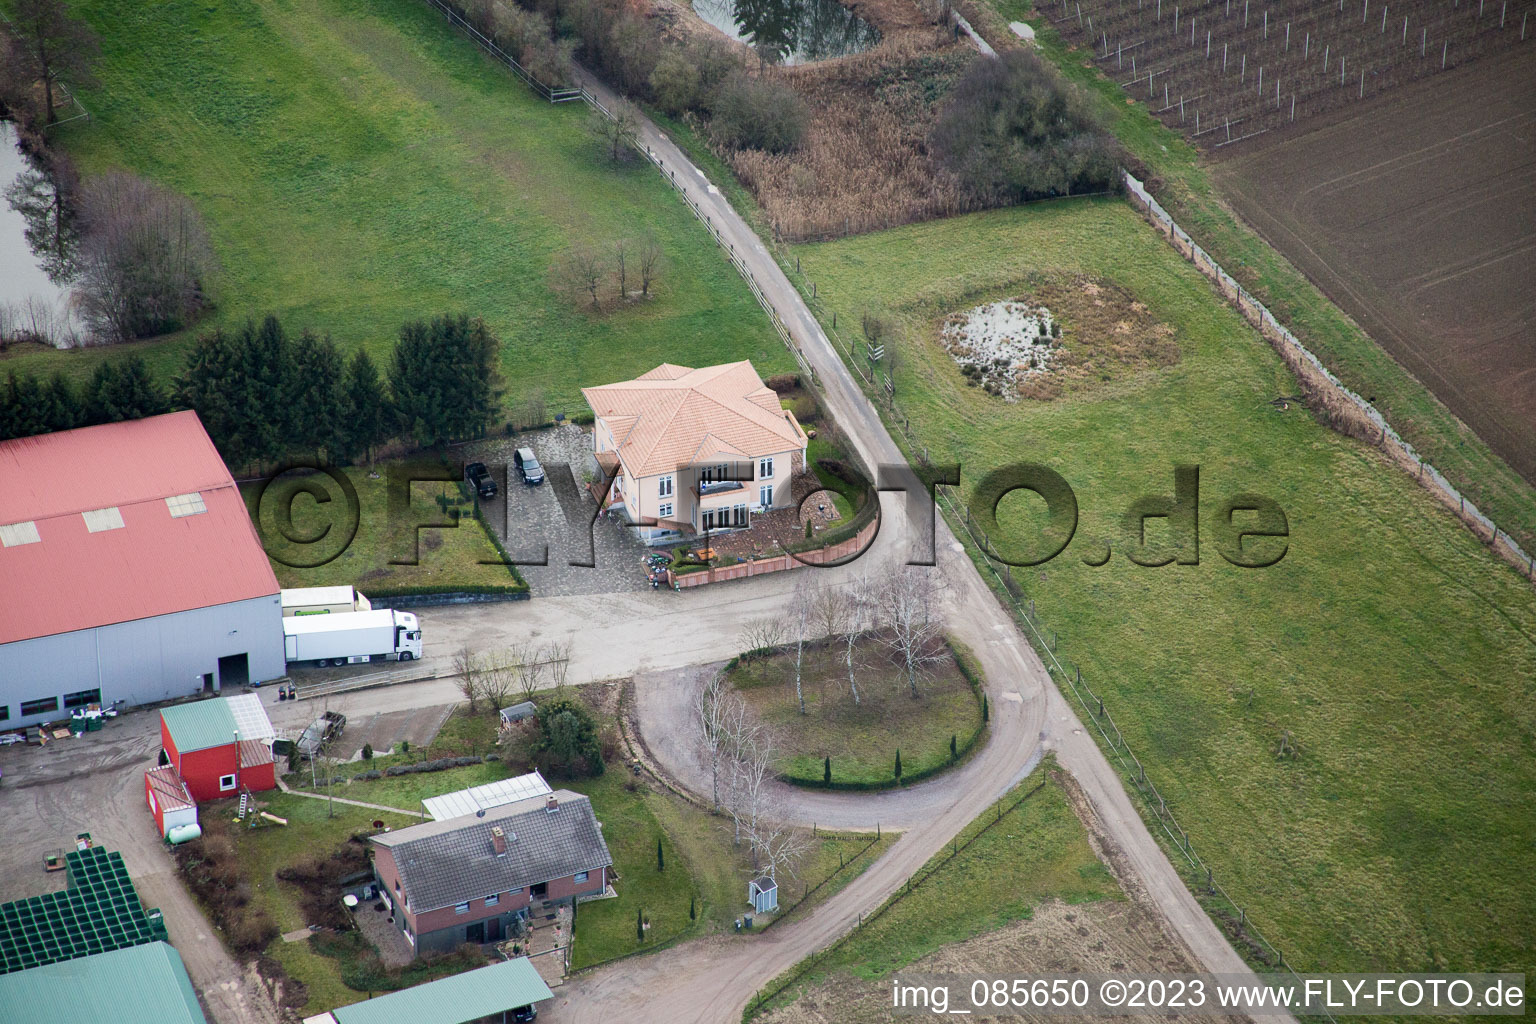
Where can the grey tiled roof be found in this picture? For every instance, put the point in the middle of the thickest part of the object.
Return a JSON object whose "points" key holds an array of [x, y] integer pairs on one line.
{"points": [[443, 863]]}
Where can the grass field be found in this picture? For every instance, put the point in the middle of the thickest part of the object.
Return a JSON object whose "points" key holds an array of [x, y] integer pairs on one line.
{"points": [[448, 557], [1033, 853], [861, 739], [359, 164], [1186, 190], [1388, 655]]}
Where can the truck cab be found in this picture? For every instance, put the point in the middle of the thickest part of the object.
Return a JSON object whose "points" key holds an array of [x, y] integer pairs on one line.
{"points": [[407, 637]]}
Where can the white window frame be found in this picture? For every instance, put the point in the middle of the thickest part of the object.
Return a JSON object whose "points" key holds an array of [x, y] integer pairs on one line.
{"points": [[664, 486], [516, 892], [492, 899], [765, 467], [664, 510], [582, 876], [765, 496], [183, 505], [226, 783], [462, 908]]}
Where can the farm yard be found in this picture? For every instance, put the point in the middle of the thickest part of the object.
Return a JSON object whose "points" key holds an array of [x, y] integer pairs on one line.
{"points": [[1417, 215], [1222, 71]]}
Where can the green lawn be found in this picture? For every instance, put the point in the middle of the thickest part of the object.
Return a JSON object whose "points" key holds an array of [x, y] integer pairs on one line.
{"points": [[450, 557], [1188, 193], [861, 738], [1035, 853], [1388, 654], [360, 164], [265, 849]]}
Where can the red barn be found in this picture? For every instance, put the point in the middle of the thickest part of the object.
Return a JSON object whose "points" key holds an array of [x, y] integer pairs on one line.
{"points": [[220, 746]]}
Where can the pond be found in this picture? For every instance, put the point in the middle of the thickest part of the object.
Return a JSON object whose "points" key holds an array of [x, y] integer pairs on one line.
{"points": [[798, 31], [36, 248]]}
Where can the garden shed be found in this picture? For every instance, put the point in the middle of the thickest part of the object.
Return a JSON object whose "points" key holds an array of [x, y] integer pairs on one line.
{"points": [[763, 894]]}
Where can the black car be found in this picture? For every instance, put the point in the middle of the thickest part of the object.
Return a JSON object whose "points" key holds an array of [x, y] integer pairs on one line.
{"points": [[480, 479], [528, 466], [524, 1014]]}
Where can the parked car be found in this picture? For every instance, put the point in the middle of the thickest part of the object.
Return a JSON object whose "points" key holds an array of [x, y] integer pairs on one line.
{"points": [[320, 732], [523, 1014], [528, 466], [480, 479]]}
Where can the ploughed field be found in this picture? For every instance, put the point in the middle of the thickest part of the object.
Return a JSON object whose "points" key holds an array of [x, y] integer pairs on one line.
{"points": [[1224, 70], [1417, 215]]}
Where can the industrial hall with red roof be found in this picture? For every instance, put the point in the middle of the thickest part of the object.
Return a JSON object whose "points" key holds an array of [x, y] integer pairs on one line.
{"points": [[132, 571]]}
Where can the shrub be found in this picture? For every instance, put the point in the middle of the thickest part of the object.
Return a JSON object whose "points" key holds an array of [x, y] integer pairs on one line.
{"points": [[1013, 130], [568, 737], [758, 113], [783, 383]]}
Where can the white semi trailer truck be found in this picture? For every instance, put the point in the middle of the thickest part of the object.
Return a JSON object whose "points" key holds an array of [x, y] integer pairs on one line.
{"points": [[342, 638]]}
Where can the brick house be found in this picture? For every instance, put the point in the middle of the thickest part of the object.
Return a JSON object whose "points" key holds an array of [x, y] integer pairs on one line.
{"points": [[694, 450], [466, 879]]}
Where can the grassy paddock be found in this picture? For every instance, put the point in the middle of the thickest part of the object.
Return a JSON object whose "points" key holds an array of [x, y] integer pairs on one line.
{"points": [[360, 164], [1034, 853], [861, 739], [1346, 735]]}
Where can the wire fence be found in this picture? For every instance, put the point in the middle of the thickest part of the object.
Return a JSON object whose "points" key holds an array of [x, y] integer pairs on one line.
{"points": [[913, 883], [1257, 314]]}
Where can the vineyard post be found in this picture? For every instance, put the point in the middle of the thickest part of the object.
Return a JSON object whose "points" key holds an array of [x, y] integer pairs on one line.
{"points": [[1444, 50], [1191, 31], [1362, 83], [1365, 8], [1306, 47], [1207, 44], [1266, 23], [1326, 48], [1524, 16], [1223, 58], [1423, 42], [1287, 37], [1293, 106], [1260, 89], [1384, 20], [1341, 69], [1405, 30], [1245, 13], [1502, 11]]}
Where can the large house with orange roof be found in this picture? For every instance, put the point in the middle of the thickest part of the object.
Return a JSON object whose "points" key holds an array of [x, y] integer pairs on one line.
{"points": [[692, 451]]}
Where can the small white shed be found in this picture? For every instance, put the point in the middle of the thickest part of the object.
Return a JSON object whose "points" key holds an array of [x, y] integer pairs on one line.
{"points": [[517, 712], [763, 894]]}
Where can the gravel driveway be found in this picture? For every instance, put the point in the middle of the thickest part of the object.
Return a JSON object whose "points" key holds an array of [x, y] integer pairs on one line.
{"points": [[551, 522]]}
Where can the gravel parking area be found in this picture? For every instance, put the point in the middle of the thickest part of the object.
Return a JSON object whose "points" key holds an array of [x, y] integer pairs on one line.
{"points": [[550, 523]]}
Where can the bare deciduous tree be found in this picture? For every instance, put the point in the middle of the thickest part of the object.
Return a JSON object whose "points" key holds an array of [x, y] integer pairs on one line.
{"points": [[53, 44], [496, 680], [615, 134], [907, 614], [523, 663], [761, 634], [778, 846], [710, 715], [650, 263], [621, 260], [579, 273], [751, 765], [556, 658], [799, 615], [144, 254], [466, 665]]}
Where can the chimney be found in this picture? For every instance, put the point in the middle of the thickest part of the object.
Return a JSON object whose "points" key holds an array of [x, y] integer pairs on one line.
{"points": [[551, 804], [498, 840]]}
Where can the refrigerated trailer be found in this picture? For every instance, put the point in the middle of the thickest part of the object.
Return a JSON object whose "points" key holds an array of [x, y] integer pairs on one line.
{"points": [[323, 601], [342, 638]]}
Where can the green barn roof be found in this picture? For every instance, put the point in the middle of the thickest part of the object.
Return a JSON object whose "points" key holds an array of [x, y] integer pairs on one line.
{"points": [[139, 985], [213, 722], [455, 999]]}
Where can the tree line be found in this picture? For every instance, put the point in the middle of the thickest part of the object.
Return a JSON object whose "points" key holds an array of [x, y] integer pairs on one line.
{"points": [[264, 395]]}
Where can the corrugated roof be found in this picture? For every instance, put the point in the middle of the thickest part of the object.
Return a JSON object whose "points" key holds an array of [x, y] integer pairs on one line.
{"points": [[457, 999], [170, 792], [156, 563], [479, 798], [145, 984], [675, 416], [213, 722], [443, 863]]}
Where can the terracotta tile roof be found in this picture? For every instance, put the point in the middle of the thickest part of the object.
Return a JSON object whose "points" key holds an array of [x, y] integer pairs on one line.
{"points": [[675, 416]]}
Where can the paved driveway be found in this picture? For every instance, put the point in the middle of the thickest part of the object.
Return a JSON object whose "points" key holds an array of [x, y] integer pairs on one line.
{"points": [[552, 523]]}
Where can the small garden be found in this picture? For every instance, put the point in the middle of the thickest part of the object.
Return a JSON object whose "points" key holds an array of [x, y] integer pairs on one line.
{"points": [[873, 732], [676, 871]]}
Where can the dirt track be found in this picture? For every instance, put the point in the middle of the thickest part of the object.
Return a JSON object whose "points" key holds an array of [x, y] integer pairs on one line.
{"points": [[1416, 213]]}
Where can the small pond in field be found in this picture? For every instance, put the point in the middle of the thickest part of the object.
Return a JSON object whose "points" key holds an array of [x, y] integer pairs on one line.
{"points": [[798, 31], [35, 256]]}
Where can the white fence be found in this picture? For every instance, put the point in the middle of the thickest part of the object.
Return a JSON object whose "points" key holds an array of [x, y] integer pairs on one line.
{"points": [[1261, 317]]}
